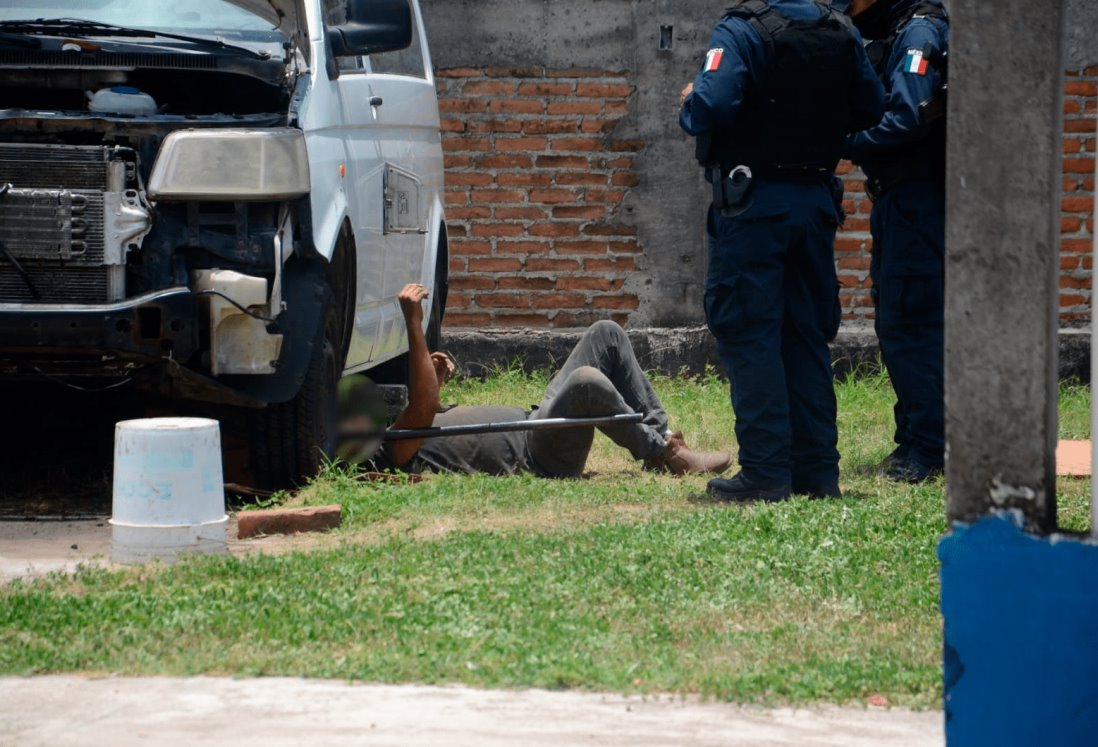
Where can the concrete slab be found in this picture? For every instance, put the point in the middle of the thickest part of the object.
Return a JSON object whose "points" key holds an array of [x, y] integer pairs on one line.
{"points": [[119, 712]]}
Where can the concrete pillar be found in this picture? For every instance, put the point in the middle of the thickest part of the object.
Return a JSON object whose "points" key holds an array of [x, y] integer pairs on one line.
{"points": [[1002, 244]]}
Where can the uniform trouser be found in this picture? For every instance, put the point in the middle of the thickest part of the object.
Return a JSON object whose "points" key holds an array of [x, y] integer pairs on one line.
{"points": [[771, 301], [908, 271], [600, 378]]}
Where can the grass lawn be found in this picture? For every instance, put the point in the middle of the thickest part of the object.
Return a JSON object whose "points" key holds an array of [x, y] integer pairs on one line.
{"points": [[622, 581]]}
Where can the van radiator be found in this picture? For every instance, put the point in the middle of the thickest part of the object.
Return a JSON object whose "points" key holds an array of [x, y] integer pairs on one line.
{"points": [[52, 245]]}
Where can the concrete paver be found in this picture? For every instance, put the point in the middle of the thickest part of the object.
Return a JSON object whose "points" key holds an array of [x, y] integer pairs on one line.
{"points": [[123, 711]]}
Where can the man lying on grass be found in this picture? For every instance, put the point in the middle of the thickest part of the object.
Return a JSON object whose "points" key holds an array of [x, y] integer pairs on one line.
{"points": [[600, 378]]}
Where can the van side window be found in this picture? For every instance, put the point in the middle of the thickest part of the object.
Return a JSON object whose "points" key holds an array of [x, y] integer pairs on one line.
{"points": [[403, 61]]}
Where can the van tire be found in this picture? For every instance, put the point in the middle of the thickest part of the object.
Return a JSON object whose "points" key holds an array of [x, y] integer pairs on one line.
{"points": [[293, 440]]}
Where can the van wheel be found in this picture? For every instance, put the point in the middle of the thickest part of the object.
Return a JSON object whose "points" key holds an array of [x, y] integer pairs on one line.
{"points": [[292, 441]]}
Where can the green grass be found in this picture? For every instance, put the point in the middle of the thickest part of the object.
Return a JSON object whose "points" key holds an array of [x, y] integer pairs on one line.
{"points": [[623, 581]]}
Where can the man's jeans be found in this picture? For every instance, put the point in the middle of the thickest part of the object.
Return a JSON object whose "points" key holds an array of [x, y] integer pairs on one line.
{"points": [[600, 378]]}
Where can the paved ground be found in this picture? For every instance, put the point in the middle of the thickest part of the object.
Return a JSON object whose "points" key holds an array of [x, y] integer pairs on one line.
{"points": [[117, 712]]}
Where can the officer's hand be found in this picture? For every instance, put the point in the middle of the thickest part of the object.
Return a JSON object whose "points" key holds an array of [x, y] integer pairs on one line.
{"points": [[689, 89], [410, 298]]}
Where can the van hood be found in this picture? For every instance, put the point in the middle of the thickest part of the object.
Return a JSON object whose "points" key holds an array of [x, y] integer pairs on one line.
{"points": [[277, 12]]}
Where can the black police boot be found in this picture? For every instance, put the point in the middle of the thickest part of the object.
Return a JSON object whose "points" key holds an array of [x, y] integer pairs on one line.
{"points": [[911, 470], [739, 489], [818, 491]]}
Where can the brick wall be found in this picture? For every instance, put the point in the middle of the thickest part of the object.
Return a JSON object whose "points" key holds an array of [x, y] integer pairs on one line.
{"points": [[537, 182]]}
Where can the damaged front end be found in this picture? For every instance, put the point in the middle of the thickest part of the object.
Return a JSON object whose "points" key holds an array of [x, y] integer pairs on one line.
{"points": [[152, 195]]}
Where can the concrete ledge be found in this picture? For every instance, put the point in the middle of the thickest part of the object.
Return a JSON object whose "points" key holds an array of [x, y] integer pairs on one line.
{"points": [[288, 520], [688, 350]]}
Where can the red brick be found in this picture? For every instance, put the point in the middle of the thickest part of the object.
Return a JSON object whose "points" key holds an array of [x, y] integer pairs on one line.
{"points": [[559, 301], [515, 72], [578, 143], [1080, 125], [604, 90], [1081, 88], [288, 520], [496, 196], [615, 302], [625, 179], [1070, 224], [455, 197], [616, 229], [544, 264], [487, 88], [550, 126], [574, 107], [545, 89], [470, 247], [1067, 281], [520, 213], [583, 72], [452, 125], [505, 162], [496, 228], [458, 72], [469, 213], [626, 146], [495, 264], [1072, 299], [467, 143], [610, 264], [562, 162], [1078, 165], [465, 319], [526, 283], [521, 247], [553, 195], [468, 106], [496, 125], [598, 196], [524, 179], [579, 211], [583, 283], [554, 229], [581, 247], [583, 179], [468, 179], [452, 161], [517, 106], [1077, 245], [523, 144], [1077, 204], [598, 125], [472, 282]]}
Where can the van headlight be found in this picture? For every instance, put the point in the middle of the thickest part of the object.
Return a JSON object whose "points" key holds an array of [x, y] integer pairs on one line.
{"points": [[267, 164]]}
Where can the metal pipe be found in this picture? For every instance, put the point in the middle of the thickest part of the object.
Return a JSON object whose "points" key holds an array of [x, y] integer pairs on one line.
{"points": [[500, 427]]}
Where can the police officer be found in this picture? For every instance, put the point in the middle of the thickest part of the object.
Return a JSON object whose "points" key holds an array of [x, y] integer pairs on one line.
{"points": [[782, 85], [903, 157]]}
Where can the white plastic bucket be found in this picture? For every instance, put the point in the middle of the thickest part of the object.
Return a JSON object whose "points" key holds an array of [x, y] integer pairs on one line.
{"points": [[168, 495]]}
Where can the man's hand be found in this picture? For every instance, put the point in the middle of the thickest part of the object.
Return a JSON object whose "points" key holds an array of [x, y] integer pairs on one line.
{"points": [[411, 298], [686, 91]]}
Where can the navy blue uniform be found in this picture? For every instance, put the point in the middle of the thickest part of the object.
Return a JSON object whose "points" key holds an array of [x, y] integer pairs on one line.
{"points": [[903, 157], [771, 298]]}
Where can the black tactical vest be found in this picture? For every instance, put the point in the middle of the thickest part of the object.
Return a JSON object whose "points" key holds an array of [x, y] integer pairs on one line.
{"points": [[793, 124], [925, 159]]}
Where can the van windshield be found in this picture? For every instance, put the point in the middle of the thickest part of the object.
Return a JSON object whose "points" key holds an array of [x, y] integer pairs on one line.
{"points": [[191, 15]]}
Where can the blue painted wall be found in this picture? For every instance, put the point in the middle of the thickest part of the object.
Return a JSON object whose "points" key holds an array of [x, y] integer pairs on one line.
{"points": [[1021, 637]]}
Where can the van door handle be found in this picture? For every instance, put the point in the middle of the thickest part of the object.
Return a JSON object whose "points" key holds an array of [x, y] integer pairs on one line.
{"points": [[376, 101]]}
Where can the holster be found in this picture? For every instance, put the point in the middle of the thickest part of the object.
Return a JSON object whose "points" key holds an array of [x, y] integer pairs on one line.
{"points": [[732, 194]]}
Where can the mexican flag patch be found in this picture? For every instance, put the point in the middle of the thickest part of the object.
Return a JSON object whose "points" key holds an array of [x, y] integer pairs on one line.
{"points": [[713, 60], [915, 63]]}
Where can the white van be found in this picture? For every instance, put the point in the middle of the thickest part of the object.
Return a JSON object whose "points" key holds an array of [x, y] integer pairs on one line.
{"points": [[217, 201]]}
